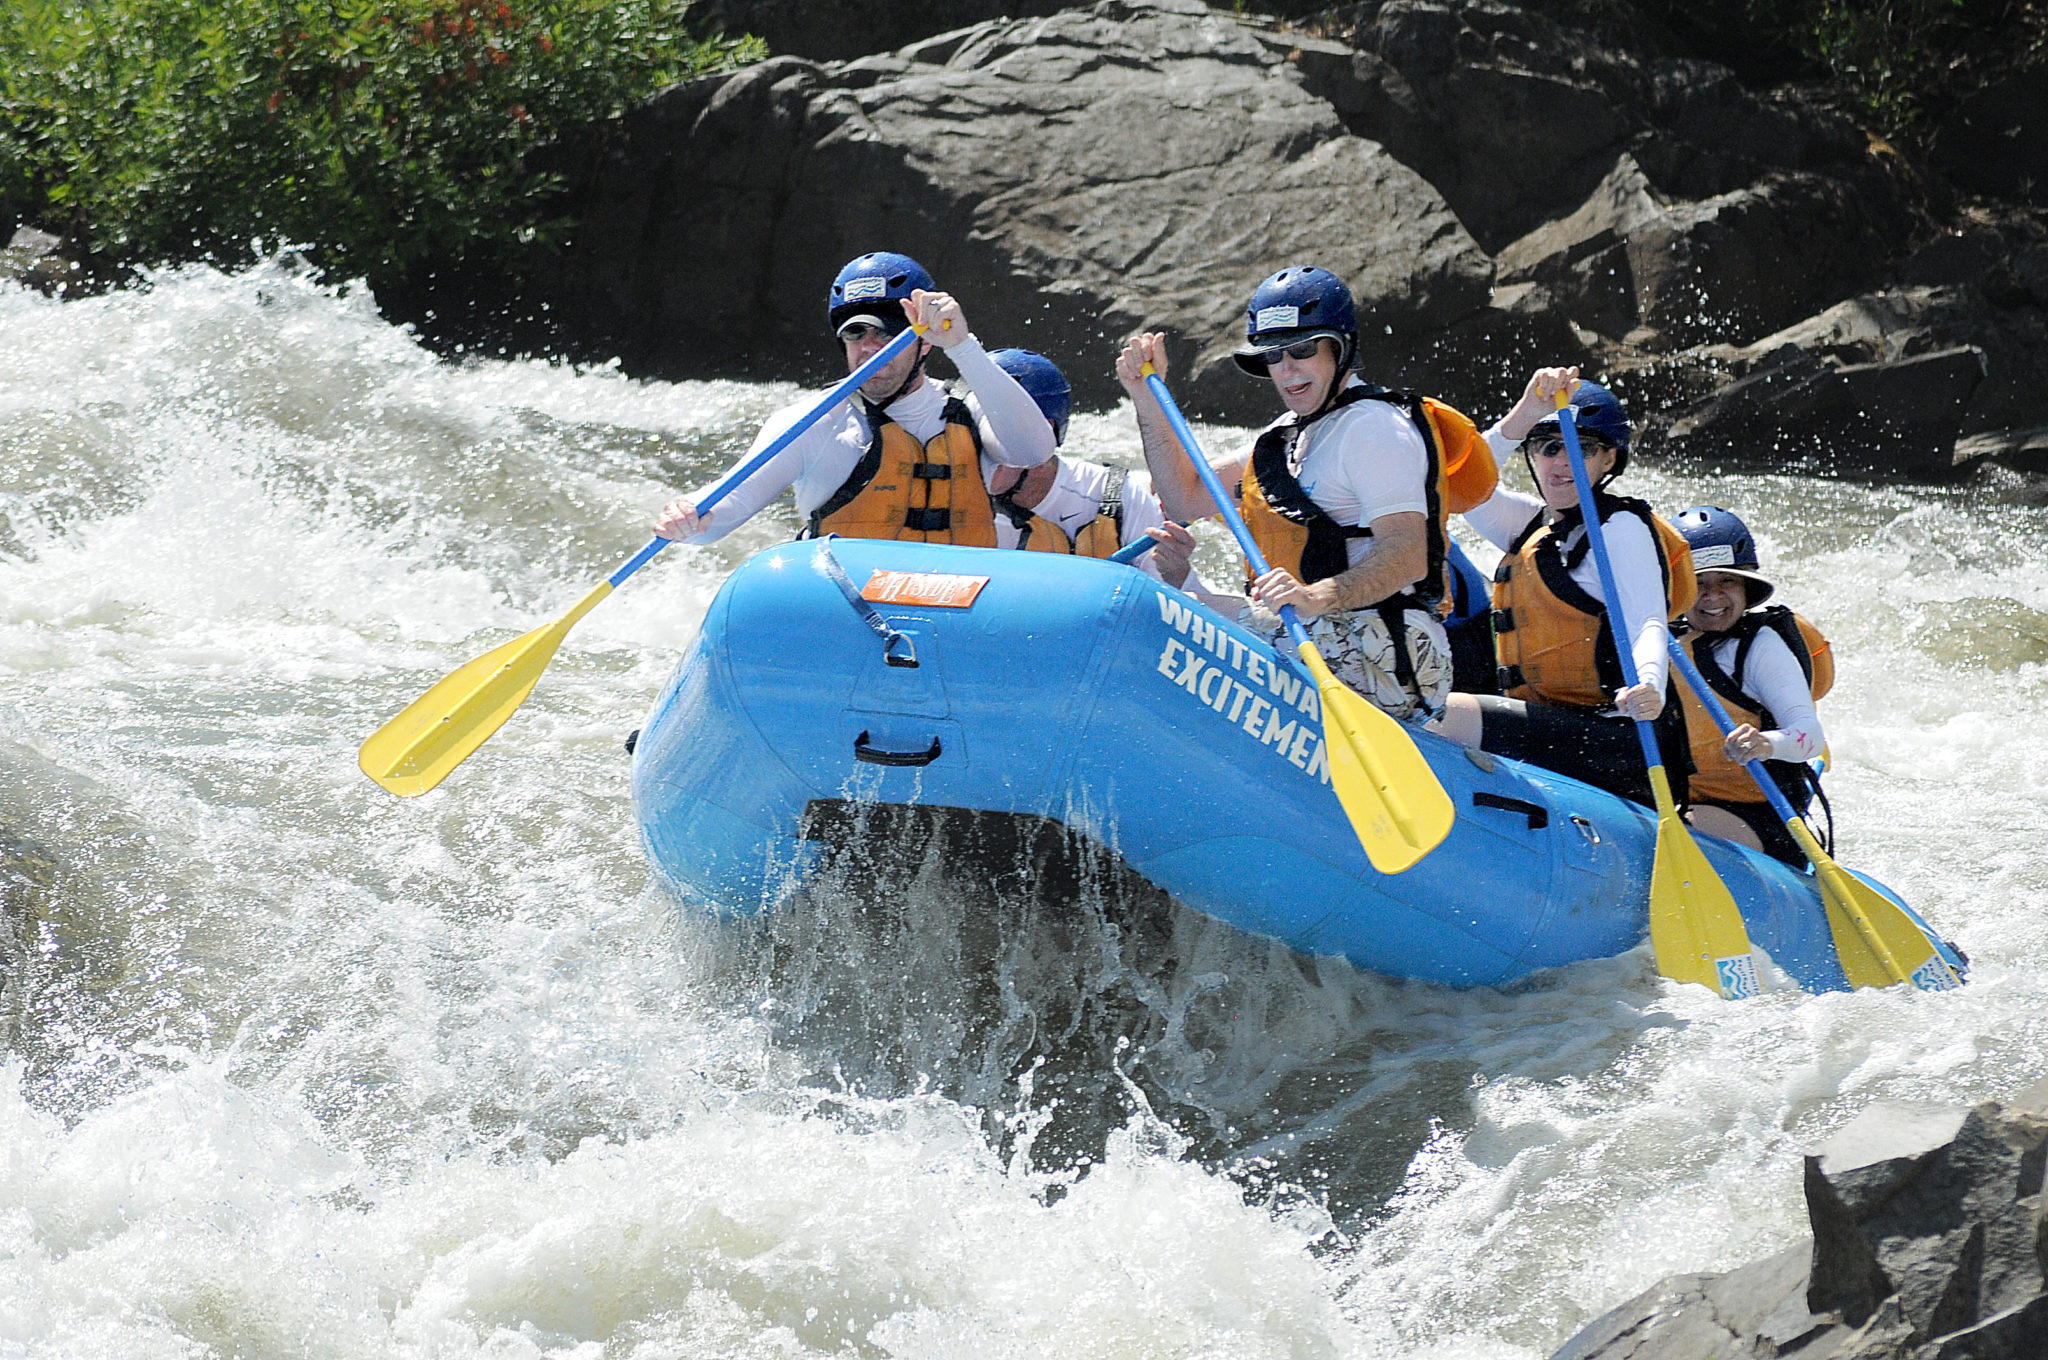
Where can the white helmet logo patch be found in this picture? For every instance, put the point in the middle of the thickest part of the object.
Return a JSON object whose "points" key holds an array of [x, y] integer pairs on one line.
{"points": [[1720, 555], [1277, 318], [859, 289]]}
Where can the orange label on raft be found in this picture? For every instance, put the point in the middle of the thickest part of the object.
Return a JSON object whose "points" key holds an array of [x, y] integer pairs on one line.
{"points": [[929, 589]]}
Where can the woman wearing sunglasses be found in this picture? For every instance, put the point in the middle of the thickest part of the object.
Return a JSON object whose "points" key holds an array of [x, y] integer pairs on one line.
{"points": [[1344, 494], [891, 462], [1563, 704]]}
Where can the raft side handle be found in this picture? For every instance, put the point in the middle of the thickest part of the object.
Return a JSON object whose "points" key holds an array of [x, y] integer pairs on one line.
{"points": [[871, 756], [1586, 829], [1538, 815]]}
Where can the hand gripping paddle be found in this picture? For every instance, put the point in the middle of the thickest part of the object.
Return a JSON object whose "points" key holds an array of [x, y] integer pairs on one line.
{"points": [[1877, 943], [437, 731], [1393, 799], [1695, 927]]}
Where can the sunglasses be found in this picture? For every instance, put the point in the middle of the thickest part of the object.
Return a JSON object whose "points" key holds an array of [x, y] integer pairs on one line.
{"points": [[1552, 446], [858, 332], [1300, 351]]}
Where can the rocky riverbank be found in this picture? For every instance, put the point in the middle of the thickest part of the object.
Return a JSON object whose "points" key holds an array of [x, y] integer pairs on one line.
{"points": [[1771, 284], [1928, 1244]]}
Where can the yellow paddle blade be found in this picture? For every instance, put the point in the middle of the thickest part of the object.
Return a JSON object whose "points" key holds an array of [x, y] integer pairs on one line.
{"points": [[1695, 927], [437, 731], [1395, 803], [1877, 943]]}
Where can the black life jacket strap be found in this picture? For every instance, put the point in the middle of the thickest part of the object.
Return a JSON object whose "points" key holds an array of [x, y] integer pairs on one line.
{"points": [[1725, 683], [1392, 612], [1113, 499], [863, 472]]}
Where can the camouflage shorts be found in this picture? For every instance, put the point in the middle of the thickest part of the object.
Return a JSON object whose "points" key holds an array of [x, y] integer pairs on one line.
{"points": [[1360, 652]]}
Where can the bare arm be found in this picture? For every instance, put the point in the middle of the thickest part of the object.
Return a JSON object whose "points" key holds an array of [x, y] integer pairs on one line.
{"points": [[1179, 486], [1400, 557], [1538, 400]]}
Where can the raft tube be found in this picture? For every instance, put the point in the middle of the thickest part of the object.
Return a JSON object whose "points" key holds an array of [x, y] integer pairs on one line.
{"points": [[1088, 693]]}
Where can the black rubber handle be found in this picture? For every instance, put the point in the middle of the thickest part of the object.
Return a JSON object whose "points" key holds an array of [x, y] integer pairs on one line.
{"points": [[1539, 816], [868, 754]]}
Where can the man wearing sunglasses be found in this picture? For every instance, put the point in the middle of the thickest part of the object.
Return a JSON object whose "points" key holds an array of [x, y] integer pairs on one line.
{"points": [[902, 459], [1344, 494]]}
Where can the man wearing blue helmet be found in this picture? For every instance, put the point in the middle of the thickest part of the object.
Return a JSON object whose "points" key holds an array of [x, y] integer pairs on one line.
{"points": [[1563, 704], [1068, 505], [902, 459], [1345, 494]]}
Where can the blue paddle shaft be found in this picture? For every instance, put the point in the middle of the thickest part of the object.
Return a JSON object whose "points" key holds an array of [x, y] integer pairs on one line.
{"points": [[1596, 535], [1130, 555], [1779, 803], [1225, 507], [899, 342]]}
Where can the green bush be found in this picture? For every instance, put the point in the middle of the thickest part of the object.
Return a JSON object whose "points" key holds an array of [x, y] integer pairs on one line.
{"points": [[380, 133], [1883, 50]]}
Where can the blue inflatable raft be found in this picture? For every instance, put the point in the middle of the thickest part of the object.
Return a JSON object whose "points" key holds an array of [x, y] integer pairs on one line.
{"points": [[1088, 693]]}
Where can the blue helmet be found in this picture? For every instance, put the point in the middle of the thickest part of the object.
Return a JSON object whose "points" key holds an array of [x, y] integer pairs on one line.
{"points": [[1040, 377], [1722, 542], [1298, 303], [1595, 410], [868, 283]]}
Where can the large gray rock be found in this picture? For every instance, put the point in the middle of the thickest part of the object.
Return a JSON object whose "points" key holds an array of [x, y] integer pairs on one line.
{"points": [[1628, 263], [1515, 118], [824, 31], [1071, 178], [1908, 381], [1928, 1244], [1899, 418]]}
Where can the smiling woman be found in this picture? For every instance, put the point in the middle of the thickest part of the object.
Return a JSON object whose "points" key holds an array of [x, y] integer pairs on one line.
{"points": [[378, 134]]}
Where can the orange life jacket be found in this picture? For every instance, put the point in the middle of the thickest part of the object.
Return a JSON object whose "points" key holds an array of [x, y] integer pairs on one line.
{"points": [[912, 492], [1717, 779], [1550, 636], [1297, 534], [1099, 537]]}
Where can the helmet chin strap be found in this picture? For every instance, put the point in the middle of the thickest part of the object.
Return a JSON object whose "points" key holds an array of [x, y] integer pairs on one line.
{"points": [[1347, 354], [910, 381]]}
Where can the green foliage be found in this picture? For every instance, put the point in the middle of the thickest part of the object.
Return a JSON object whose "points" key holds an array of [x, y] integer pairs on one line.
{"points": [[382, 133], [1880, 49]]}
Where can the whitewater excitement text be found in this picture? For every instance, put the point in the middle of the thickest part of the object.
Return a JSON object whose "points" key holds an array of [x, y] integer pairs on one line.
{"points": [[1203, 675]]}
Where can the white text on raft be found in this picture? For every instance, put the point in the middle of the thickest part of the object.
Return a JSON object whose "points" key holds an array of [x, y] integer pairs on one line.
{"points": [[1299, 740]]}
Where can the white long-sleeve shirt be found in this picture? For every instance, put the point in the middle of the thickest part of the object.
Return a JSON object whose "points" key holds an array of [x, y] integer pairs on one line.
{"points": [[818, 461], [1631, 546], [1772, 678]]}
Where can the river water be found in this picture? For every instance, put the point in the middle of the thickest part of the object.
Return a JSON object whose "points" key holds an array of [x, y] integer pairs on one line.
{"points": [[294, 1068]]}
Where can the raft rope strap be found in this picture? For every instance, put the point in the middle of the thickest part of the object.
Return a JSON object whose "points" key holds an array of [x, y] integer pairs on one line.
{"points": [[891, 638]]}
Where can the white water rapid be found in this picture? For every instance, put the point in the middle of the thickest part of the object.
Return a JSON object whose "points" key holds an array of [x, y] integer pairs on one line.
{"points": [[296, 1069]]}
